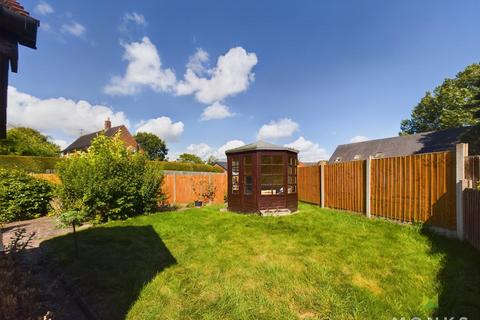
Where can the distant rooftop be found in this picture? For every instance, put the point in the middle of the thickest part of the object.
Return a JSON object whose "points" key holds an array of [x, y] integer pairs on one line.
{"points": [[426, 142], [260, 145]]}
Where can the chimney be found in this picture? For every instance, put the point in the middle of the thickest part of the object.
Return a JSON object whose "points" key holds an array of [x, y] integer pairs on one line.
{"points": [[108, 124]]}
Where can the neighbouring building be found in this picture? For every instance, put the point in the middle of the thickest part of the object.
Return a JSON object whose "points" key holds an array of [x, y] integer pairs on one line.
{"points": [[426, 142], [16, 27], [222, 165], [84, 141], [262, 177]]}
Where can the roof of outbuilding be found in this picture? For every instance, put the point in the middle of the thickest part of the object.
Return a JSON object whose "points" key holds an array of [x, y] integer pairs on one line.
{"points": [[260, 145], [223, 164], [15, 7], [426, 142], [85, 141]]}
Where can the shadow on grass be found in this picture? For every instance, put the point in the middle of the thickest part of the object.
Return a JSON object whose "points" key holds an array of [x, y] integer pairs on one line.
{"points": [[113, 266], [459, 277]]}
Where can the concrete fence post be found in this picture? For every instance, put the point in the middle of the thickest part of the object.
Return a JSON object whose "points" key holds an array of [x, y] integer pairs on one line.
{"points": [[368, 184], [322, 185], [460, 153]]}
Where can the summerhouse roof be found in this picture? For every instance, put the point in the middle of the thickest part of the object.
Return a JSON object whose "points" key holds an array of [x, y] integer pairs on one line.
{"points": [[260, 145]]}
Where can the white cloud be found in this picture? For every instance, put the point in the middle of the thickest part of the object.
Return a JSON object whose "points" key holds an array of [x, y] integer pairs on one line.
{"points": [[197, 62], [43, 8], [144, 69], [163, 127], [220, 152], [232, 75], [59, 114], [216, 111], [202, 150], [358, 139], [136, 18], [74, 28], [277, 129], [62, 143], [308, 151], [46, 26]]}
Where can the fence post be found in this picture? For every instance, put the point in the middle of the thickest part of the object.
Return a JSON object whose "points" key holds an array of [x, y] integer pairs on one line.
{"points": [[1, 240], [368, 172], [322, 185], [460, 154]]}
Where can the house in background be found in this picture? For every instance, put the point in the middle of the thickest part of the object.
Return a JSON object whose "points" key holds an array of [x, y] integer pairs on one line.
{"points": [[426, 142], [83, 142], [222, 165]]}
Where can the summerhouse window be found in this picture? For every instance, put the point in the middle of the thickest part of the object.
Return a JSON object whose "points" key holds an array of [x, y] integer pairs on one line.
{"points": [[248, 175], [235, 176], [292, 175], [272, 175]]}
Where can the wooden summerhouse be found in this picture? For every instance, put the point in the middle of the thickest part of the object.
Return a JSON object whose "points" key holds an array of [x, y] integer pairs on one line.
{"points": [[262, 177]]}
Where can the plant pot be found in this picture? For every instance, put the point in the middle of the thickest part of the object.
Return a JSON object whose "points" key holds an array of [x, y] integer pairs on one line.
{"points": [[198, 204]]}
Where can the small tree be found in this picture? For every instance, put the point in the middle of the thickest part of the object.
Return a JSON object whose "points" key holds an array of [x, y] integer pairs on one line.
{"points": [[212, 160], [154, 147], [191, 158], [109, 182], [205, 190], [74, 219]]}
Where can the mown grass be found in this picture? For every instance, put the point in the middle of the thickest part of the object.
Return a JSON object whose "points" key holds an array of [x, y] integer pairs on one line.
{"points": [[317, 264]]}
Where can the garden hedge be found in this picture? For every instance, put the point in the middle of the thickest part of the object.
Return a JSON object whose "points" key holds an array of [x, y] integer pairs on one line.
{"points": [[47, 164], [29, 164]]}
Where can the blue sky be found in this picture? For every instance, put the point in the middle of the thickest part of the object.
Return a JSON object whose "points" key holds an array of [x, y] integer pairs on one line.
{"points": [[310, 74]]}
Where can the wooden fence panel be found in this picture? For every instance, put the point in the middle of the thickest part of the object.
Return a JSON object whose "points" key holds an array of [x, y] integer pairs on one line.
{"points": [[345, 186], [471, 205], [418, 188], [179, 188], [472, 171], [308, 184]]}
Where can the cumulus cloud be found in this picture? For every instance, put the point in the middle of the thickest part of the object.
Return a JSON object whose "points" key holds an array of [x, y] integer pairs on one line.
{"points": [[144, 70], [277, 129], [74, 29], [43, 8], [217, 111], [62, 143], [59, 114], [308, 151], [358, 139], [204, 151], [163, 127], [231, 75]]}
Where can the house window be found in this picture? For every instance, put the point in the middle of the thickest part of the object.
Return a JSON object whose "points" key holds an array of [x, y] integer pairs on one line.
{"points": [[292, 175], [338, 159], [379, 155], [248, 175], [272, 169], [357, 157], [235, 176]]}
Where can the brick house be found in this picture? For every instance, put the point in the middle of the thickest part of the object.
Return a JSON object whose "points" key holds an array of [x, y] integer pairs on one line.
{"points": [[83, 142]]}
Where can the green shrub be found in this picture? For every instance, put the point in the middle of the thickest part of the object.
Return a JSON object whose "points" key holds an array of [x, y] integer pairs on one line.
{"points": [[29, 164], [23, 196], [185, 166], [109, 182]]}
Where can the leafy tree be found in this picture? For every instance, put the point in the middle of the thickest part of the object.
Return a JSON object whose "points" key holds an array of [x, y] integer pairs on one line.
{"points": [[454, 103], [28, 142], [154, 147], [109, 182], [212, 160], [191, 158]]}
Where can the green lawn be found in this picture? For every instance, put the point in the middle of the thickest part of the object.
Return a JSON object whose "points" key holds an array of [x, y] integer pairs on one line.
{"points": [[317, 264]]}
